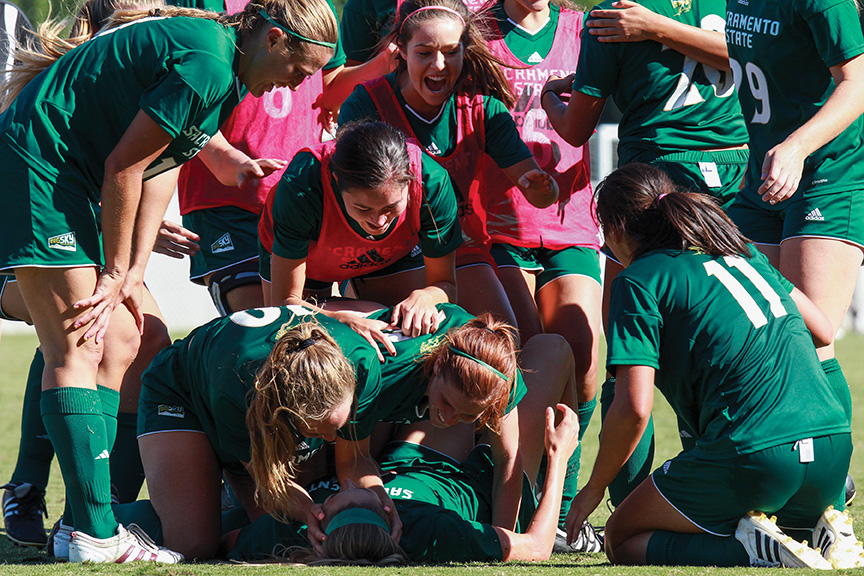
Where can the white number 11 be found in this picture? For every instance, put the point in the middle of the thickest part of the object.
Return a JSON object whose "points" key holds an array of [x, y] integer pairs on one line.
{"points": [[747, 303]]}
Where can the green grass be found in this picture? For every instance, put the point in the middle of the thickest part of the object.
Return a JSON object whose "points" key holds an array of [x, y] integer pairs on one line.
{"points": [[15, 355]]}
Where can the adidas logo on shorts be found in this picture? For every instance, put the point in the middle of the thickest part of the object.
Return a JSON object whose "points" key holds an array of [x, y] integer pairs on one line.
{"points": [[63, 242], [223, 244], [103, 456], [815, 216]]}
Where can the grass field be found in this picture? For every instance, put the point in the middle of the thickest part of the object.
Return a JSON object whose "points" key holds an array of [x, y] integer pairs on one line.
{"points": [[15, 355]]}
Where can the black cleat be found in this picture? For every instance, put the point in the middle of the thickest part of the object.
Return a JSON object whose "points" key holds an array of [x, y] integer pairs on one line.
{"points": [[24, 511]]}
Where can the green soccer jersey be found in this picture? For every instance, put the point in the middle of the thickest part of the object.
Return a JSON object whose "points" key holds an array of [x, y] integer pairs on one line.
{"points": [[669, 102], [733, 356], [216, 366], [298, 209], [527, 47], [179, 71], [400, 394], [781, 52], [439, 137], [445, 508]]}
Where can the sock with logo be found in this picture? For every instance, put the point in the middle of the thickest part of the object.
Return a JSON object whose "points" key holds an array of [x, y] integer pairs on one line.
{"points": [[674, 549], [127, 472], [638, 466], [35, 450], [74, 421]]}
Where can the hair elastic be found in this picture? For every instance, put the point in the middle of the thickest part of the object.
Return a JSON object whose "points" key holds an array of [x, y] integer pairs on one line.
{"points": [[267, 17], [305, 344], [660, 197], [356, 516], [482, 363], [424, 8]]}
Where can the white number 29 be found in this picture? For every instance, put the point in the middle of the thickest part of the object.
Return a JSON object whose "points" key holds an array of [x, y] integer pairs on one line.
{"points": [[744, 299], [758, 88]]}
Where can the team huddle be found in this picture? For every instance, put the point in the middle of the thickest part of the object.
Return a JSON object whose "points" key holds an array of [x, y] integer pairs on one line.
{"points": [[395, 219]]}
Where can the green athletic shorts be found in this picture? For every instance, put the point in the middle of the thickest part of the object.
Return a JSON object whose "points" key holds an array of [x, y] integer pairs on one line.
{"points": [[229, 236], [549, 264], [45, 225], [686, 169], [162, 406], [822, 214], [715, 494]]}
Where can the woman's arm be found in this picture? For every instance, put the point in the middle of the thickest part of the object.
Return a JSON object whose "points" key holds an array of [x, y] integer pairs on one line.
{"points": [[140, 145], [538, 187], [231, 166], [817, 322], [417, 314], [576, 121], [340, 82], [783, 164], [537, 541], [622, 428], [507, 482], [288, 277], [631, 22], [354, 462]]}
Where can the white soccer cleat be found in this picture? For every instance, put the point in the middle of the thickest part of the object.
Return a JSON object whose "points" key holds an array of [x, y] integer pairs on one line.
{"points": [[769, 546], [834, 536], [58, 540], [127, 546]]}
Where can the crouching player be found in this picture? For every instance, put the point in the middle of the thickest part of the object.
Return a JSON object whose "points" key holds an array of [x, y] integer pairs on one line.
{"points": [[700, 313]]}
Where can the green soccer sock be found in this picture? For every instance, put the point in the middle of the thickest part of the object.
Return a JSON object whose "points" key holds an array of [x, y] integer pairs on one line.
{"points": [[35, 450], [638, 466], [110, 405], [142, 513], [584, 411], [674, 549], [127, 472], [837, 382], [74, 421]]}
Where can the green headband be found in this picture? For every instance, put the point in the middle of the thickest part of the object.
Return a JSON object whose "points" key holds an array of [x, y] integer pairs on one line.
{"points": [[484, 364], [356, 516], [267, 17]]}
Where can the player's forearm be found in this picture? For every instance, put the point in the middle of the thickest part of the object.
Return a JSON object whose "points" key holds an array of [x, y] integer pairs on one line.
{"points": [[705, 46]]}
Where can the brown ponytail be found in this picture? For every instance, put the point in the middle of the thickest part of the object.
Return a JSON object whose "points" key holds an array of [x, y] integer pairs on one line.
{"points": [[646, 204], [303, 379]]}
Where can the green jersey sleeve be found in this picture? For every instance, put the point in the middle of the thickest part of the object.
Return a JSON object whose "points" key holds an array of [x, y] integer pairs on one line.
{"points": [[298, 208], [439, 221], [635, 326], [503, 143], [598, 67], [441, 535], [363, 24], [829, 22], [196, 83]]}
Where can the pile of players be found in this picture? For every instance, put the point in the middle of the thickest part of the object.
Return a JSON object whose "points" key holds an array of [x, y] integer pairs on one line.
{"points": [[412, 303]]}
